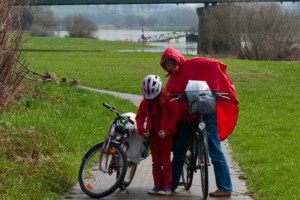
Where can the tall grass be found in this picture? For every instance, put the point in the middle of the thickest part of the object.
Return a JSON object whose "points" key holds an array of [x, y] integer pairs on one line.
{"points": [[43, 139]]}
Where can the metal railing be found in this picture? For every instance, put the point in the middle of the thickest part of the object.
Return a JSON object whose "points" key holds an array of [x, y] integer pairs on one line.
{"points": [[165, 37]]}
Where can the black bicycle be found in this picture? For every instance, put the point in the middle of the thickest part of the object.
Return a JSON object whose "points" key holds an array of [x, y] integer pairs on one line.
{"points": [[197, 157]]}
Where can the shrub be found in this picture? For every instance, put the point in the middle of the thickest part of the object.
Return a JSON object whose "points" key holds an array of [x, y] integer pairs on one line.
{"points": [[44, 22], [11, 74], [79, 26]]}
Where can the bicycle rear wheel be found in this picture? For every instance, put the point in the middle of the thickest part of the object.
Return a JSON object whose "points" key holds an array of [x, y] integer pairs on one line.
{"points": [[131, 168], [203, 164], [99, 181], [187, 172]]}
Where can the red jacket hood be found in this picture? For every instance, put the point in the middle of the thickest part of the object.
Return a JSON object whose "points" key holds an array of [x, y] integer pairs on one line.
{"points": [[172, 53]]}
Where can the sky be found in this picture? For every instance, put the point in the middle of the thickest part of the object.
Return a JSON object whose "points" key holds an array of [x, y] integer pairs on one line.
{"points": [[191, 4]]}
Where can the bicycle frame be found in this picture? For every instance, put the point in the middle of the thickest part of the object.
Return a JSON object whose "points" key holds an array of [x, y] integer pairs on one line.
{"points": [[112, 138], [105, 148]]}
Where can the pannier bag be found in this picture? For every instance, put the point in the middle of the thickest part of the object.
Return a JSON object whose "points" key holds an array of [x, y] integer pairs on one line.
{"points": [[135, 141], [199, 97]]}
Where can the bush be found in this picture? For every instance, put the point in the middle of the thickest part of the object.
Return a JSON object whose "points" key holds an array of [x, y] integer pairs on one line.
{"points": [[79, 26], [11, 74], [36, 30], [44, 22]]}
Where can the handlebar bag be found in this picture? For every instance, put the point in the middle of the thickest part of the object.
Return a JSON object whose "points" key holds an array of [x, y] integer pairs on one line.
{"points": [[199, 98]]}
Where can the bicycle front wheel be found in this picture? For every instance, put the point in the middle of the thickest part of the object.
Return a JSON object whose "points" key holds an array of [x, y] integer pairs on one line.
{"points": [[203, 164], [99, 181]]}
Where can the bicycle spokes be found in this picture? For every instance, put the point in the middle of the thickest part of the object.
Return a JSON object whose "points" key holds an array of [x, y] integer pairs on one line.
{"points": [[100, 180]]}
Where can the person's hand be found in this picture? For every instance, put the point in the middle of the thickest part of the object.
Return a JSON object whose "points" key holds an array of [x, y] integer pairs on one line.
{"points": [[162, 134], [147, 133]]}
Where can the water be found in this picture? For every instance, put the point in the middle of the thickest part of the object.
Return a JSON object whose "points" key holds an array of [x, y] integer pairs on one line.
{"points": [[133, 36]]}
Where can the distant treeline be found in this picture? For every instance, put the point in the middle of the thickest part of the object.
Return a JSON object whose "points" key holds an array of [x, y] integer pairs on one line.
{"points": [[174, 17], [133, 16]]}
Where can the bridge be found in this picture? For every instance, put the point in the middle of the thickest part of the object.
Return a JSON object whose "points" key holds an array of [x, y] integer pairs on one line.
{"points": [[87, 2], [167, 36], [201, 38]]}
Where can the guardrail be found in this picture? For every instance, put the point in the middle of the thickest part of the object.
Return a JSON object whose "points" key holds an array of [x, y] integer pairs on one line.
{"points": [[165, 37]]}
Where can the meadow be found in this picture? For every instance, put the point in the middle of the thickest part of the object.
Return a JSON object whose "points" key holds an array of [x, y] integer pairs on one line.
{"points": [[51, 128], [43, 44]]}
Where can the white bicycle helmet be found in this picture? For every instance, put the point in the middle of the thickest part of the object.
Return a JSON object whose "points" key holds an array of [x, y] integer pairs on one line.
{"points": [[151, 86]]}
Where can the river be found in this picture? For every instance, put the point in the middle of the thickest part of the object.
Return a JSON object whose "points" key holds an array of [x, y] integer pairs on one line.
{"points": [[133, 36]]}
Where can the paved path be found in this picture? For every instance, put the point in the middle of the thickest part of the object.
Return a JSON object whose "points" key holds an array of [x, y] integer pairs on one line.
{"points": [[143, 178]]}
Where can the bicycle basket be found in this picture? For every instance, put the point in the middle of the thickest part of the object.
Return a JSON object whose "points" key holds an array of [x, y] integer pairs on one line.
{"points": [[199, 98]]}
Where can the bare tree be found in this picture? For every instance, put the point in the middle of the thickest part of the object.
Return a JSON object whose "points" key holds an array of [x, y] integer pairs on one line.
{"points": [[44, 22], [131, 21], [79, 26], [23, 13], [257, 31], [11, 72], [117, 23]]}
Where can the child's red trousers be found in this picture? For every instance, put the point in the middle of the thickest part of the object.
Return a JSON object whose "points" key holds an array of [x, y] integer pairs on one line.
{"points": [[161, 158]]}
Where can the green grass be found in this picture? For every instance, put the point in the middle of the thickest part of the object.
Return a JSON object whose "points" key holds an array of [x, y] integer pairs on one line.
{"points": [[43, 139], [77, 44], [265, 141], [117, 71]]}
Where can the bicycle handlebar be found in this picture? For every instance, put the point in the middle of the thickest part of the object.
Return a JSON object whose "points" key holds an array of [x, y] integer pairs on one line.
{"points": [[113, 109], [214, 92], [109, 107]]}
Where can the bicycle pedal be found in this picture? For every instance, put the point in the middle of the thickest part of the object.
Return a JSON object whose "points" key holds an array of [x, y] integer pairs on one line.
{"points": [[181, 184]]}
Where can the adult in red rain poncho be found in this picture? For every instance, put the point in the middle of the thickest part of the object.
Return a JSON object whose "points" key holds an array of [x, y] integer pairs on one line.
{"points": [[180, 71]]}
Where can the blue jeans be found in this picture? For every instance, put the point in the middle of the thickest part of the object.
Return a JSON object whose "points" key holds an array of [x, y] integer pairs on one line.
{"points": [[185, 136]]}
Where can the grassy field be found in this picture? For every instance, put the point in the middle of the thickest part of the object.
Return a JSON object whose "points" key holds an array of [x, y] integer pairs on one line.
{"points": [[76, 44], [265, 141]]}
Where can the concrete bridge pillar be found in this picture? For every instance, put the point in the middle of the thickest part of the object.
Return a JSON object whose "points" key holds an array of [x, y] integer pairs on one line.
{"points": [[207, 44]]}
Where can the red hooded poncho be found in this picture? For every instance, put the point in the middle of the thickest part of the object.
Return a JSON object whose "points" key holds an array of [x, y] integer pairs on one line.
{"points": [[214, 73]]}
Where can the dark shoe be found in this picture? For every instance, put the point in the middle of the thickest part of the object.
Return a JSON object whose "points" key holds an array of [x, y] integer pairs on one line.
{"points": [[220, 193]]}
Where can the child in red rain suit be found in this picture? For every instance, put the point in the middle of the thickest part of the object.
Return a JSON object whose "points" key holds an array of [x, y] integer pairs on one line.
{"points": [[162, 116]]}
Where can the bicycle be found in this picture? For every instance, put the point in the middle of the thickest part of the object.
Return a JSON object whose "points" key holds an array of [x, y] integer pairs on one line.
{"points": [[105, 167], [197, 156]]}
